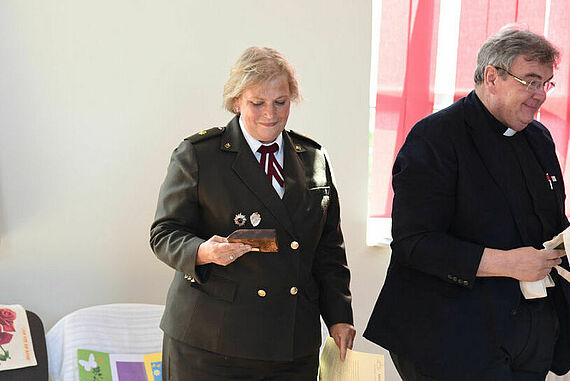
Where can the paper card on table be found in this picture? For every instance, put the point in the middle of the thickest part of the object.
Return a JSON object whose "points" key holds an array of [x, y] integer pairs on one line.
{"points": [[93, 365], [16, 348], [356, 365], [264, 240], [127, 367], [153, 366]]}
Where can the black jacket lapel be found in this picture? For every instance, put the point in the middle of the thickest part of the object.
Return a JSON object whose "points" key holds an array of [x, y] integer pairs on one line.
{"points": [[250, 172], [294, 174], [542, 145]]}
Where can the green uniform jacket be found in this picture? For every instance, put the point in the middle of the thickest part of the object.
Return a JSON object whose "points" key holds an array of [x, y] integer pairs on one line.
{"points": [[214, 176]]}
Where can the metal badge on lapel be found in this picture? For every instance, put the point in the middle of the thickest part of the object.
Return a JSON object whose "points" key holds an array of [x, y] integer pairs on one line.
{"points": [[255, 219], [240, 219]]}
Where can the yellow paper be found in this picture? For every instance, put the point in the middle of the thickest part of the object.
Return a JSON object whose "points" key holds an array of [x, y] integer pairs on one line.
{"points": [[153, 366], [356, 365]]}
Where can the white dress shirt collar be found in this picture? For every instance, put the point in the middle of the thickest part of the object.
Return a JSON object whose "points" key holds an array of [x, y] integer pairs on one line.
{"points": [[509, 132], [254, 144]]}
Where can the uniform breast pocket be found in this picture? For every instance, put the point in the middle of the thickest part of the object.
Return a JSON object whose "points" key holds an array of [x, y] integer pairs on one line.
{"points": [[320, 195]]}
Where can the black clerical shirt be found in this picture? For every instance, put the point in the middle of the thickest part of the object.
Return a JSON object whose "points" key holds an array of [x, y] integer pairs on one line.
{"points": [[538, 204]]}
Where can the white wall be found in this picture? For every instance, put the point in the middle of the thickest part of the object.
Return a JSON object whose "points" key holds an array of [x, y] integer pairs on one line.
{"points": [[94, 95]]}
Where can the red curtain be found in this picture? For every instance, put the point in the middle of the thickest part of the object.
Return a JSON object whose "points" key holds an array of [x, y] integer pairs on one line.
{"points": [[406, 72]]}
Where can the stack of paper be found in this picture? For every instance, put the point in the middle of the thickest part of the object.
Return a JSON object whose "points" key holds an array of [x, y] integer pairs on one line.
{"points": [[533, 290], [356, 365]]}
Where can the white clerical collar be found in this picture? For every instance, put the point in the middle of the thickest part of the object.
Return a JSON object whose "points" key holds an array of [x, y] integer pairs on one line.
{"points": [[509, 132], [254, 144]]}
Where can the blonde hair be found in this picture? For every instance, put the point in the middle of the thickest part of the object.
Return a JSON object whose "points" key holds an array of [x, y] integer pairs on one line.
{"points": [[254, 66]]}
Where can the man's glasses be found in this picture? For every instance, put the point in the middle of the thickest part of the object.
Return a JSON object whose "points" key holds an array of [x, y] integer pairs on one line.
{"points": [[531, 86]]}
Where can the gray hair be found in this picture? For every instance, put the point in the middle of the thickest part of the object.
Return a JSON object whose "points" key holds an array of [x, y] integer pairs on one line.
{"points": [[511, 41], [254, 66]]}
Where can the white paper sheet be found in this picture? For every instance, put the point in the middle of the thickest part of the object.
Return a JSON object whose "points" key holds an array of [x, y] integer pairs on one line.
{"points": [[533, 290], [356, 365]]}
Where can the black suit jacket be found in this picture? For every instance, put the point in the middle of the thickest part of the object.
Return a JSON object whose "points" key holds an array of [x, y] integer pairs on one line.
{"points": [[454, 197], [212, 177]]}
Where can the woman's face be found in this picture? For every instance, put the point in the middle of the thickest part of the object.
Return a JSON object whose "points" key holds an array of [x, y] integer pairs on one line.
{"points": [[265, 108]]}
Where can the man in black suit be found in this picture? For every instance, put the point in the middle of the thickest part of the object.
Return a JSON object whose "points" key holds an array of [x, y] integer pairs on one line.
{"points": [[477, 190], [233, 314]]}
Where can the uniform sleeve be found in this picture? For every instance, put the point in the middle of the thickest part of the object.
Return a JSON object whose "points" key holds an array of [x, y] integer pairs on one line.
{"points": [[331, 268], [424, 179], [173, 233]]}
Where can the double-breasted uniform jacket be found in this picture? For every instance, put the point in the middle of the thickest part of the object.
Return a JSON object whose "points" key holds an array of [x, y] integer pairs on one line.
{"points": [[263, 305], [453, 197]]}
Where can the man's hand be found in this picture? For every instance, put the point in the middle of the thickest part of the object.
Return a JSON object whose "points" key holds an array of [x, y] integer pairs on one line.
{"points": [[524, 263], [219, 251], [343, 335]]}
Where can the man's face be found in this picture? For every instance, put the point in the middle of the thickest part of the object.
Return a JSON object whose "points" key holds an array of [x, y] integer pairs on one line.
{"points": [[513, 104]]}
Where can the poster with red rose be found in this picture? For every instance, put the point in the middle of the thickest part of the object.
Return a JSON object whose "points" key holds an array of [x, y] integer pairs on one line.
{"points": [[16, 349]]}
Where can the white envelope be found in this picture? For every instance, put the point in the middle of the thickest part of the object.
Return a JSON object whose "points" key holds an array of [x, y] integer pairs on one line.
{"points": [[533, 290]]}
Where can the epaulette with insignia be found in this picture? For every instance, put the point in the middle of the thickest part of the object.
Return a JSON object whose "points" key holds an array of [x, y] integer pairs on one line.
{"points": [[205, 134], [304, 138]]}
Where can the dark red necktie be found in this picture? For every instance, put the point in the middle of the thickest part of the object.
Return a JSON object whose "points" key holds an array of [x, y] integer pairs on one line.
{"points": [[270, 164]]}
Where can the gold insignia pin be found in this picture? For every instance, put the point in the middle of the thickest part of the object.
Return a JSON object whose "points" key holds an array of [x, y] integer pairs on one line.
{"points": [[203, 132], [227, 145], [240, 219], [255, 219], [298, 148]]}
